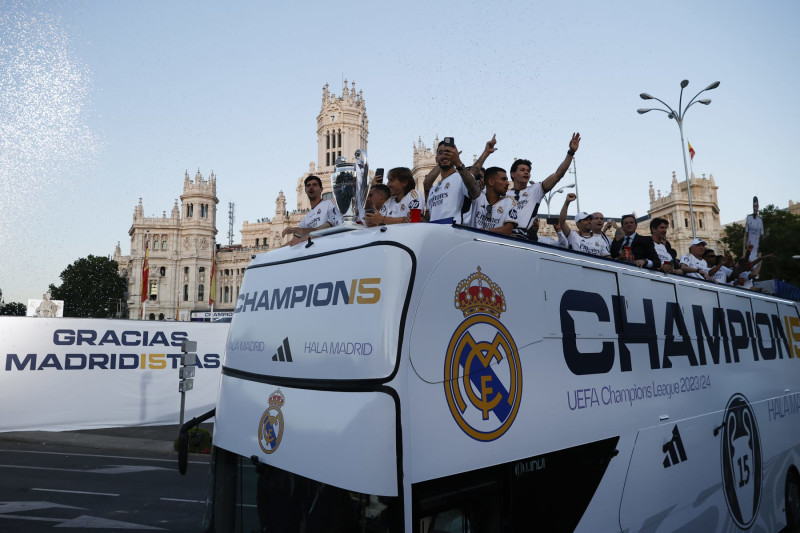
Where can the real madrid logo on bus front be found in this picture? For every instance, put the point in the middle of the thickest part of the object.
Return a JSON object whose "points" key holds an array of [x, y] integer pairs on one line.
{"points": [[482, 373], [270, 428]]}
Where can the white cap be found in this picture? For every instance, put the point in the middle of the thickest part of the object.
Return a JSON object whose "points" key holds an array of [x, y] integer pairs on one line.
{"points": [[582, 215], [697, 241]]}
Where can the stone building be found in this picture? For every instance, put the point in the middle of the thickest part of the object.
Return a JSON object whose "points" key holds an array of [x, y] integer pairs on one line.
{"points": [[181, 245], [675, 208]]}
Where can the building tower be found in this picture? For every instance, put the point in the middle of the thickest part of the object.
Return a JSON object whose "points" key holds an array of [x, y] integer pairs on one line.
{"points": [[198, 230], [342, 128]]}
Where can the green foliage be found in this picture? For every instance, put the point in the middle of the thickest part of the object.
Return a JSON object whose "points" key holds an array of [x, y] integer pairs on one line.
{"points": [[13, 309], [734, 236], [781, 238], [90, 288], [199, 440]]}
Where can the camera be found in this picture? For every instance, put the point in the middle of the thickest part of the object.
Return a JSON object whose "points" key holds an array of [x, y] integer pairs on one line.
{"points": [[552, 221]]}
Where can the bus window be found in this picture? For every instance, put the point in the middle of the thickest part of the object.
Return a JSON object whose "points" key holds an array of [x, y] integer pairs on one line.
{"points": [[259, 497]]}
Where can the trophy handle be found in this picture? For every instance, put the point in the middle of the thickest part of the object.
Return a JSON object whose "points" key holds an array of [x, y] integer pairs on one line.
{"points": [[362, 181]]}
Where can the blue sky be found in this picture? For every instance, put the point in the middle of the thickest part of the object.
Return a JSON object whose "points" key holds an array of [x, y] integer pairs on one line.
{"points": [[105, 102]]}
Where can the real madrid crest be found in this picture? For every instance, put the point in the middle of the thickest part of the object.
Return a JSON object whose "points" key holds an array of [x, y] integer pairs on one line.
{"points": [[270, 428], [482, 373], [447, 185]]}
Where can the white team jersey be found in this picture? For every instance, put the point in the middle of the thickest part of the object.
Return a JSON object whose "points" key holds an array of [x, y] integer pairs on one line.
{"points": [[721, 275], [529, 198], [393, 208], [593, 244], [694, 262], [484, 215], [326, 211], [754, 229], [663, 254], [446, 198]]}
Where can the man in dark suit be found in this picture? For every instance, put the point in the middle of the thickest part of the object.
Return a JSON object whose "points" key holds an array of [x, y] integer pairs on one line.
{"points": [[642, 250], [664, 251]]}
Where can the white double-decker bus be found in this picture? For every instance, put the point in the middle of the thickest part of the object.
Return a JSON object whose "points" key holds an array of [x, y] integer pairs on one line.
{"points": [[426, 378]]}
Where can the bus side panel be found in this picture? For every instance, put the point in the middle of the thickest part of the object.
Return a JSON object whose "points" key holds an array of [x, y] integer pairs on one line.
{"points": [[345, 439]]}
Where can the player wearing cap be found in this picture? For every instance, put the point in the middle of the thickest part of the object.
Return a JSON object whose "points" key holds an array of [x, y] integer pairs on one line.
{"points": [[694, 265], [583, 239]]}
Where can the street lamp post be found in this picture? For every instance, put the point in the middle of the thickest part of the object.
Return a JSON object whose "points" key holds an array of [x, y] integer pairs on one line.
{"points": [[574, 172], [678, 116], [548, 196]]}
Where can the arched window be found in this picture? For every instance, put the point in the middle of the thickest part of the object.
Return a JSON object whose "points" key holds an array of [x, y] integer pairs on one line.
{"points": [[227, 295], [163, 271], [701, 223], [161, 316], [685, 222], [200, 292], [152, 316], [327, 141], [186, 293], [256, 241], [339, 144], [164, 244]]}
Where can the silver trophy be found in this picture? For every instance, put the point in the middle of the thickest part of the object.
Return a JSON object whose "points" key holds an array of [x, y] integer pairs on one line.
{"points": [[350, 184]]}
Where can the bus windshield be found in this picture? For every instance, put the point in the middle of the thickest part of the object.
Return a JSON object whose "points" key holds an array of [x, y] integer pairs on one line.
{"points": [[252, 496]]}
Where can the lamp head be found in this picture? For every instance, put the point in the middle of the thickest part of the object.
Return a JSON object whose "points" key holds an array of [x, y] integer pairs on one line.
{"points": [[712, 86], [645, 96], [684, 83], [643, 111], [705, 101]]}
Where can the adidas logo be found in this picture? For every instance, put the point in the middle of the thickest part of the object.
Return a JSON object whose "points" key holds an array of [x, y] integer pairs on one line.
{"points": [[284, 353], [675, 453]]}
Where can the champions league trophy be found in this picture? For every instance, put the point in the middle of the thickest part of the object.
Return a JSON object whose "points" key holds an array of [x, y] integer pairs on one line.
{"points": [[350, 184]]}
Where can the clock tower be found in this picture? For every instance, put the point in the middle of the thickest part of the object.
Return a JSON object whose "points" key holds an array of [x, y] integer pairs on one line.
{"points": [[342, 126]]}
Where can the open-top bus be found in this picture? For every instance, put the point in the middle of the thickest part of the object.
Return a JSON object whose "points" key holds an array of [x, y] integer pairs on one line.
{"points": [[427, 378]]}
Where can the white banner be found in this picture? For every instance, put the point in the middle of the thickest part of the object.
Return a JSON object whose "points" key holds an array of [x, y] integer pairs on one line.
{"points": [[59, 374]]}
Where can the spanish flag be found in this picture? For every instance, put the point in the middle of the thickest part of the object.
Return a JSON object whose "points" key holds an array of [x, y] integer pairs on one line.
{"points": [[143, 290], [691, 151]]}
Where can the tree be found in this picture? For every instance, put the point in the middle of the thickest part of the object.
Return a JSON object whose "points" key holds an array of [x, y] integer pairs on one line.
{"points": [[13, 309], [90, 287], [781, 231]]}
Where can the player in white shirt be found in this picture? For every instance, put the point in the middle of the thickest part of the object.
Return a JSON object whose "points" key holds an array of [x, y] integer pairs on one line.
{"points": [[323, 214], [582, 240], [445, 199], [693, 264], [753, 230], [404, 198], [528, 197], [492, 210]]}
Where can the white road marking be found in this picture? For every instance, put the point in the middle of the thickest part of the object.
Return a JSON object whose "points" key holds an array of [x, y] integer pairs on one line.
{"points": [[115, 469], [184, 501], [102, 456], [82, 522], [78, 492]]}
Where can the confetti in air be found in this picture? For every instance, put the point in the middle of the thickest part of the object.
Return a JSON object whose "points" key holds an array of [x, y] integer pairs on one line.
{"points": [[44, 131]]}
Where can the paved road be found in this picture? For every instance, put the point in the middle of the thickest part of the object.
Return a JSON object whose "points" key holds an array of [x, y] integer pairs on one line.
{"points": [[103, 480]]}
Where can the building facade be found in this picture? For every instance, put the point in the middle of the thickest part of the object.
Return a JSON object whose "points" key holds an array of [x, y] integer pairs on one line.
{"points": [[182, 247]]}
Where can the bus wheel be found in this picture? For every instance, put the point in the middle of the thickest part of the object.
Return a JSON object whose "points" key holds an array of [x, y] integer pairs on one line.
{"points": [[792, 498]]}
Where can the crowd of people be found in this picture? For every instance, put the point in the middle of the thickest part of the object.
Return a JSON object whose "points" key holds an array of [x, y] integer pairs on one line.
{"points": [[485, 198]]}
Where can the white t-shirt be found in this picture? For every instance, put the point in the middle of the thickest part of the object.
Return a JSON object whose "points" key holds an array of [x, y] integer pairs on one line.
{"points": [[754, 229], [721, 275], [594, 244], [529, 198], [663, 254], [694, 262], [446, 198], [326, 211], [393, 208], [490, 216]]}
